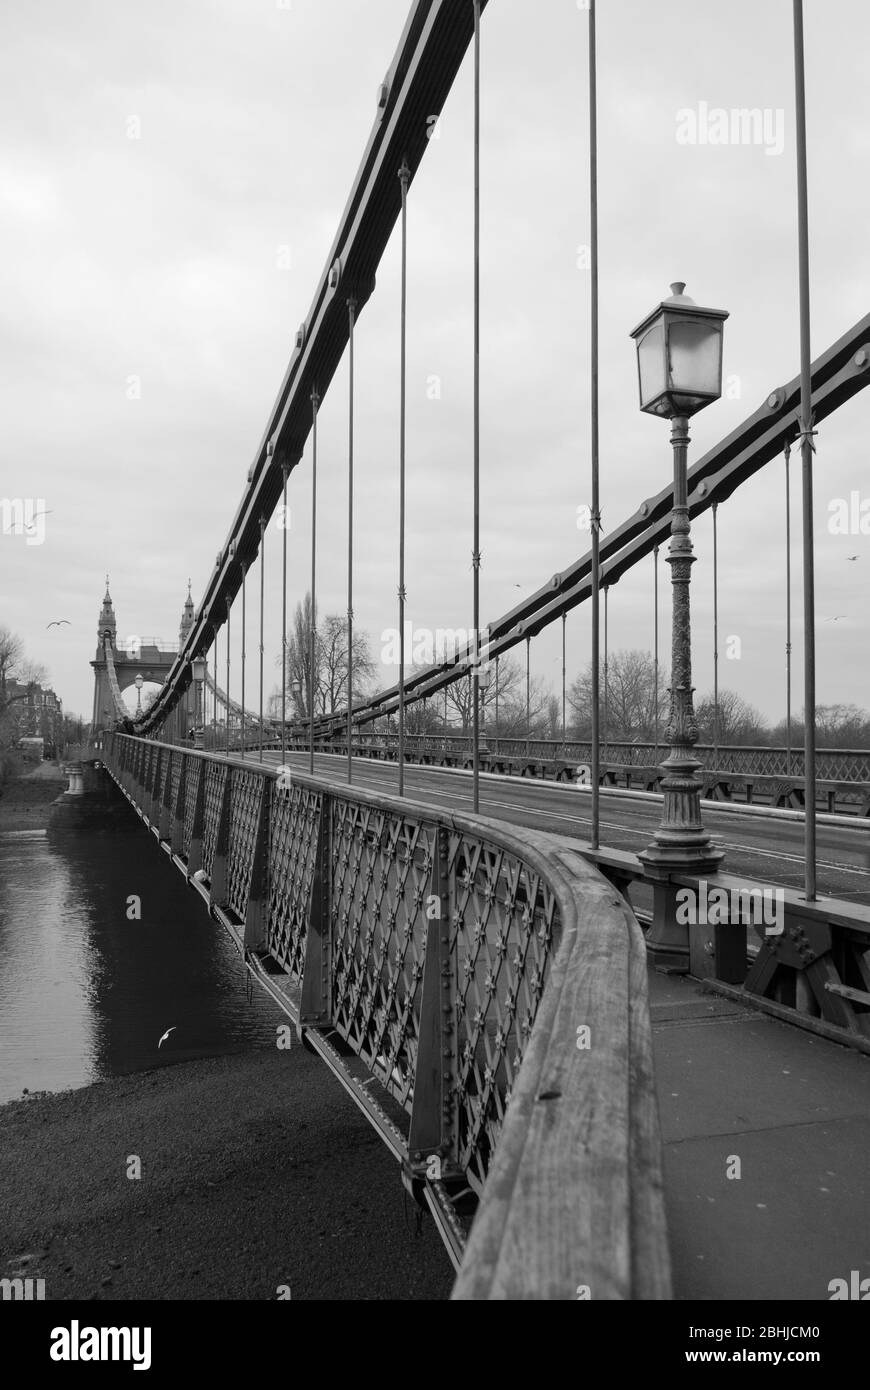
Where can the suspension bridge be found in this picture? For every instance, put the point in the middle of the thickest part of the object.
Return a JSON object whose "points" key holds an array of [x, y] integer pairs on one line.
{"points": [[495, 944]]}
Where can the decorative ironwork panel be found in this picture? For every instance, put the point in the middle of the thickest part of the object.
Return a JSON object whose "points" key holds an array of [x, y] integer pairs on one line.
{"points": [[191, 788], [163, 772], [245, 791], [381, 877], [504, 922], [214, 790], [294, 822], [147, 753], [177, 764]]}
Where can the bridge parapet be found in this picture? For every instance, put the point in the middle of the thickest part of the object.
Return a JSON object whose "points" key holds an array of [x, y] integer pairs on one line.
{"points": [[491, 982]]}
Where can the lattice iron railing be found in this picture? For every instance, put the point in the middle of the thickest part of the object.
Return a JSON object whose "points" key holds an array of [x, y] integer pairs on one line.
{"points": [[294, 826], [741, 774], [832, 764], [191, 791], [422, 940], [390, 874], [387, 872], [504, 922]]}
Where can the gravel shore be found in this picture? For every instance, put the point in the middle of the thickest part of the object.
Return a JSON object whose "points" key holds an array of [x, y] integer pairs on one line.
{"points": [[257, 1171]]}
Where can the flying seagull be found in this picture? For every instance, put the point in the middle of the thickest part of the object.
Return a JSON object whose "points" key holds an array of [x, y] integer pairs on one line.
{"points": [[165, 1036], [851, 557], [58, 622]]}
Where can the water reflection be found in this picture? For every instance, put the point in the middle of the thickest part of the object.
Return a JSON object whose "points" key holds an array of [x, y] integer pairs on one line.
{"points": [[86, 991]]}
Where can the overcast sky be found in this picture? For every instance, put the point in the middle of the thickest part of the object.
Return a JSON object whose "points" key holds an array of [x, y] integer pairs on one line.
{"points": [[171, 178]]}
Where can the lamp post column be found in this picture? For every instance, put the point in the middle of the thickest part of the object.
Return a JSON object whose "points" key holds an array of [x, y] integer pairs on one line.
{"points": [[198, 716], [681, 842]]}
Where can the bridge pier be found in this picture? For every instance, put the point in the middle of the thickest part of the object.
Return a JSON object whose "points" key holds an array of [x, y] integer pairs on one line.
{"points": [[91, 800]]}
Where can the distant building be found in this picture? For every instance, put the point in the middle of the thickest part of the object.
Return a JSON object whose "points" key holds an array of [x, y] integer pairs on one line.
{"points": [[34, 711]]}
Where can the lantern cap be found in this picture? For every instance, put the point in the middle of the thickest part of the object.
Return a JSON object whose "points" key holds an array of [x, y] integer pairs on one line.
{"points": [[682, 303], [677, 293]]}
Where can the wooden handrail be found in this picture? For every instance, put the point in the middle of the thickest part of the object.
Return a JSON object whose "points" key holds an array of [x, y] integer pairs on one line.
{"points": [[573, 1206]]}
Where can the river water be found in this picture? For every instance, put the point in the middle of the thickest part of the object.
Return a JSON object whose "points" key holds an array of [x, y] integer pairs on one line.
{"points": [[85, 992]]}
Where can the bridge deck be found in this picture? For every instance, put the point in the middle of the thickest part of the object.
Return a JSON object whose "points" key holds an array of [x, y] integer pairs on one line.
{"points": [[795, 1110]]}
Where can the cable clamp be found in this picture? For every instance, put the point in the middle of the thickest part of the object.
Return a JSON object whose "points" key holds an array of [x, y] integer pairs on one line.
{"points": [[808, 434]]}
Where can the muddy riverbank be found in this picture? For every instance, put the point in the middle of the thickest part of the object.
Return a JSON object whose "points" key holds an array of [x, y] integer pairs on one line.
{"points": [[25, 799], [256, 1173]]}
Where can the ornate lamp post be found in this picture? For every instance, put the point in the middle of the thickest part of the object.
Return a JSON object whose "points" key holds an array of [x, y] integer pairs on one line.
{"points": [[482, 679], [198, 667], [138, 682], [296, 691], [679, 358]]}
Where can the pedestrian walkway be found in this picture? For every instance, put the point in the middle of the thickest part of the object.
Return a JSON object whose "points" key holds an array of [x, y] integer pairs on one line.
{"points": [[766, 1133]]}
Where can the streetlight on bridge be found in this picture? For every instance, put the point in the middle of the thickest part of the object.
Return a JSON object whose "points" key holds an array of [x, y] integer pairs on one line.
{"points": [[482, 678], [198, 668], [679, 359], [296, 691], [139, 682]]}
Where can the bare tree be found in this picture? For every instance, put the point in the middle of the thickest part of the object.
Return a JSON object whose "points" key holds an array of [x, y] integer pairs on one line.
{"points": [[837, 726], [506, 692], [330, 663], [423, 716], [553, 717], [299, 661], [11, 653], [15, 671], [334, 665], [629, 692], [738, 722]]}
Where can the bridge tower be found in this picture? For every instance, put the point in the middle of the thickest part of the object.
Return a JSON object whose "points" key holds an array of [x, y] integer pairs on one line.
{"points": [[133, 656], [186, 618]]}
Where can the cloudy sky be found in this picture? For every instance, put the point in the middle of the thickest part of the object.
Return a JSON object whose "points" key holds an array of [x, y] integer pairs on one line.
{"points": [[171, 178]]}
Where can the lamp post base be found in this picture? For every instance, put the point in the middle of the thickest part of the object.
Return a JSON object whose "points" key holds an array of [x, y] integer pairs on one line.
{"points": [[681, 844], [665, 856]]}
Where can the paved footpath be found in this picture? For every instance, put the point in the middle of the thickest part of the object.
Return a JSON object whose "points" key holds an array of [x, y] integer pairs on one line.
{"points": [[794, 1109], [257, 1171]]}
